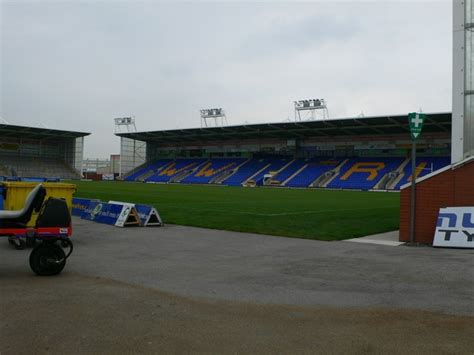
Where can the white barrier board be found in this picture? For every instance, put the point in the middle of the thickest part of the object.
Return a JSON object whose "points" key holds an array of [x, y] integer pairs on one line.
{"points": [[455, 228], [148, 215]]}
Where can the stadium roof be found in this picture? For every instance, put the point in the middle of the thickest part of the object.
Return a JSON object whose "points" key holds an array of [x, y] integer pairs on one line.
{"points": [[360, 126], [7, 130]]}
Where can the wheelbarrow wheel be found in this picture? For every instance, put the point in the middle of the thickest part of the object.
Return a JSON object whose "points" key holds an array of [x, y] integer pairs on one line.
{"points": [[47, 259]]}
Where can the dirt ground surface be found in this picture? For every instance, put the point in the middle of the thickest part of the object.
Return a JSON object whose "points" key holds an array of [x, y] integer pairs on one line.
{"points": [[189, 290], [76, 314]]}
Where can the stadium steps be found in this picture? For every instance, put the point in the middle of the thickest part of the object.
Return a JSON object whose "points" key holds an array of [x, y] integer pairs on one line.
{"points": [[74, 173], [401, 170], [389, 182], [227, 174], [184, 174], [181, 176], [39, 167], [430, 164], [222, 176], [133, 171], [321, 180], [172, 170], [336, 171], [295, 174], [269, 183], [258, 172], [385, 180], [245, 171], [143, 177]]}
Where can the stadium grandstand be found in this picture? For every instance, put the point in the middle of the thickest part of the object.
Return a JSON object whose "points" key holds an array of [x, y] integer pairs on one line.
{"points": [[363, 153], [30, 153]]}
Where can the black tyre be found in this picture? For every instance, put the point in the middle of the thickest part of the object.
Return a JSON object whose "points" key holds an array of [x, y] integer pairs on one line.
{"points": [[30, 242], [47, 259]]}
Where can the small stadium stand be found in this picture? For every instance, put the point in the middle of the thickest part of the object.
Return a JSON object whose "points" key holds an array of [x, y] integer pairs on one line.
{"points": [[363, 153], [361, 173], [40, 154], [26, 167]]}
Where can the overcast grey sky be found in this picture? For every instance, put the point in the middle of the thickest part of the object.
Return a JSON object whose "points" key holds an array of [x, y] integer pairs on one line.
{"points": [[76, 65]]}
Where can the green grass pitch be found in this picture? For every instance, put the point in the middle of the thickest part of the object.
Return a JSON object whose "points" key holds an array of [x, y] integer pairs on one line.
{"points": [[301, 213]]}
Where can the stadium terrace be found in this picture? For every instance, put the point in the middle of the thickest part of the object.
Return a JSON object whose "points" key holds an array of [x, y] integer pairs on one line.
{"points": [[32, 153], [363, 153]]}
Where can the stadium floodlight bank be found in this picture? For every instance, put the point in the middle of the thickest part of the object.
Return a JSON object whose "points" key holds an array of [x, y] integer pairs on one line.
{"points": [[125, 123], [312, 106], [213, 117]]}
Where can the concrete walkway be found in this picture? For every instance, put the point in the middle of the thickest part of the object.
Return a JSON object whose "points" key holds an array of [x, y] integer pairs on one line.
{"points": [[187, 290], [198, 262]]}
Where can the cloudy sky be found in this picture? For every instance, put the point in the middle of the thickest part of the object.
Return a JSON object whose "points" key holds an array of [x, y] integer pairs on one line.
{"points": [[78, 64]]}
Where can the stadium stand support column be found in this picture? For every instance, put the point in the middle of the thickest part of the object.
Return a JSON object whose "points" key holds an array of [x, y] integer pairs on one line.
{"points": [[336, 174], [295, 174], [448, 187]]}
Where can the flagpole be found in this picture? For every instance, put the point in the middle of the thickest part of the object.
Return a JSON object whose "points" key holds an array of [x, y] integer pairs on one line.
{"points": [[413, 191], [416, 125]]}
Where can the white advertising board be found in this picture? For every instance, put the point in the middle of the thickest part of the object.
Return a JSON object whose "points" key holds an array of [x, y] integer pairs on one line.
{"points": [[455, 228]]}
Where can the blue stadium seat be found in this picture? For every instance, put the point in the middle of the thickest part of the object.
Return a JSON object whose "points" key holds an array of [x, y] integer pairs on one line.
{"points": [[289, 170], [170, 170], [152, 166], [212, 169], [357, 173], [364, 173], [425, 165], [275, 165], [314, 169], [245, 171]]}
